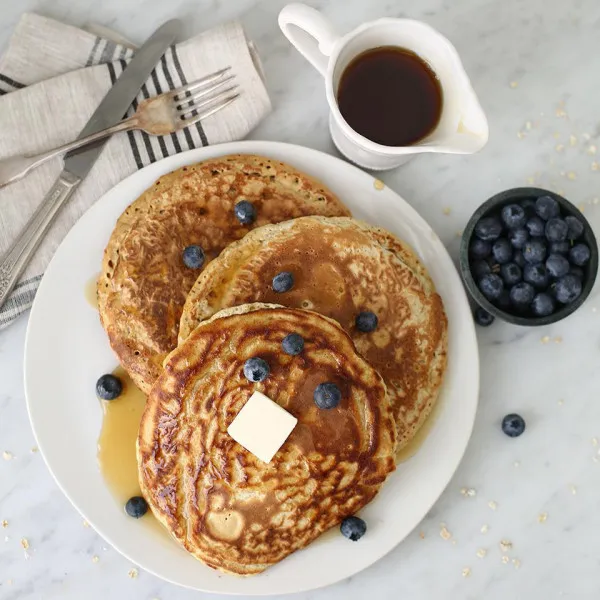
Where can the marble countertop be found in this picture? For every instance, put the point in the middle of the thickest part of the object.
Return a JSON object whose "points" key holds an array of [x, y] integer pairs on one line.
{"points": [[521, 515]]}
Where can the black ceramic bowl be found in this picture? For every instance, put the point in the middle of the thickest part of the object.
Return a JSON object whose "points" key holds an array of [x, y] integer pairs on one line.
{"points": [[493, 207]]}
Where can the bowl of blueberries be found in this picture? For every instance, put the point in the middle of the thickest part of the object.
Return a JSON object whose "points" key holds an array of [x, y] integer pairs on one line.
{"points": [[529, 257]]}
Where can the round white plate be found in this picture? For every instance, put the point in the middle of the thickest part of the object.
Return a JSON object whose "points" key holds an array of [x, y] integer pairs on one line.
{"points": [[66, 351]]}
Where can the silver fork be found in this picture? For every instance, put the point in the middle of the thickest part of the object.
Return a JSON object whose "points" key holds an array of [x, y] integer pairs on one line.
{"points": [[160, 115]]}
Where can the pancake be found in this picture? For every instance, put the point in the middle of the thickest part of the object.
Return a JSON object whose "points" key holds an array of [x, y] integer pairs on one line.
{"points": [[144, 283], [342, 267], [227, 507]]}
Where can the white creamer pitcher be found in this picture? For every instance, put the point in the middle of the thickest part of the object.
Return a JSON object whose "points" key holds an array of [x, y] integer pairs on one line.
{"points": [[462, 128]]}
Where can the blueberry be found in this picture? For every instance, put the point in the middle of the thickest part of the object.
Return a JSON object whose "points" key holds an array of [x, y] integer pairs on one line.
{"points": [[480, 268], [283, 282], [366, 321], [557, 265], [518, 237], [480, 249], [513, 425], [536, 275], [491, 286], [511, 273], [503, 300], [327, 395], [528, 206], [561, 248], [568, 288], [488, 229], [502, 251], [577, 271], [534, 251], [579, 254], [353, 528], [547, 207], [245, 212], [193, 257], [513, 216], [575, 226], [535, 226], [293, 344], [542, 305], [556, 230], [256, 369], [108, 387], [521, 295], [519, 259], [483, 317], [136, 507]]}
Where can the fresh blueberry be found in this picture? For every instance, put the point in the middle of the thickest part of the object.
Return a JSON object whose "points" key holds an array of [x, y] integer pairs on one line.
{"points": [[536, 275], [518, 237], [568, 288], [502, 251], [483, 317], [256, 369], [193, 257], [293, 344], [557, 265], [528, 206], [547, 207], [577, 271], [327, 395], [575, 228], [136, 507], [513, 425], [534, 251], [108, 387], [480, 268], [488, 229], [366, 321], [283, 282], [511, 273], [513, 216], [480, 249], [353, 528], [519, 259], [503, 300], [535, 226], [579, 254], [521, 295], [491, 285], [561, 248], [556, 230], [542, 305], [245, 212]]}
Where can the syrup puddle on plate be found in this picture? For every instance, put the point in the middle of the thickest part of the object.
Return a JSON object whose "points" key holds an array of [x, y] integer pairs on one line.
{"points": [[90, 291]]}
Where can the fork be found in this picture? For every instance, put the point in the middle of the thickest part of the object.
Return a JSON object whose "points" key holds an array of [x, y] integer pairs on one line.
{"points": [[159, 115]]}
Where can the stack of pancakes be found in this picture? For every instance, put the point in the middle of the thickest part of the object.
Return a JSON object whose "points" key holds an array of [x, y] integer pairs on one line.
{"points": [[184, 334]]}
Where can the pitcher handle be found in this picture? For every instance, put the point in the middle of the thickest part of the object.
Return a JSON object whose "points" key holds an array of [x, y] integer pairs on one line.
{"points": [[296, 20]]}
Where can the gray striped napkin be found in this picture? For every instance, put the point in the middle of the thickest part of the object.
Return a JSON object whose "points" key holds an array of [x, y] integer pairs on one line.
{"points": [[52, 77]]}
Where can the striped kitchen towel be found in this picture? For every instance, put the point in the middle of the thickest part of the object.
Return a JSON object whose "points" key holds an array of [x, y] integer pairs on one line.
{"points": [[53, 76]]}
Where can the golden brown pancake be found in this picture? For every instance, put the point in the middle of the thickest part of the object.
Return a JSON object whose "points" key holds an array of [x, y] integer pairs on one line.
{"points": [[342, 267], [144, 282], [227, 507]]}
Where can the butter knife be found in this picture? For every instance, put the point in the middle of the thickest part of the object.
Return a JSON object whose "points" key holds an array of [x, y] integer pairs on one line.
{"points": [[78, 163]]}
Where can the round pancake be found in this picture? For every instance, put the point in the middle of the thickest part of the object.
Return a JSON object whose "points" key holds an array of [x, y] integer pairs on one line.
{"points": [[342, 267], [224, 505], [144, 283]]}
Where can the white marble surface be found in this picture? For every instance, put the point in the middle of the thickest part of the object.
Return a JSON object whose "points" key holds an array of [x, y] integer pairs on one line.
{"points": [[525, 58]]}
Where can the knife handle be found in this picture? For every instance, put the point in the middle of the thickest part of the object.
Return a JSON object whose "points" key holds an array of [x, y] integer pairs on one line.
{"points": [[17, 257]]}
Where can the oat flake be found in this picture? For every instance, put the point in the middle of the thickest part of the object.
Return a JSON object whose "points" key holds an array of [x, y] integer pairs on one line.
{"points": [[493, 505], [378, 184], [481, 553], [542, 517], [505, 545], [133, 573], [466, 572], [25, 543], [485, 528], [505, 560]]}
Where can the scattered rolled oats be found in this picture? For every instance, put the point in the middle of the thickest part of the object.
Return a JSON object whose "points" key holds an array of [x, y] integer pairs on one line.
{"points": [[95, 558], [485, 528], [516, 562], [513, 84], [470, 492], [573, 489], [447, 210], [561, 402], [572, 140], [571, 175], [6, 455], [556, 135], [505, 545], [581, 207], [444, 533], [531, 180], [595, 165], [505, 560], [34, 449], [561, 112], [85, 523], [493, 505], [481, 553], [4, 523], [558, 339], [520, 135], [591, 150], [422, 535], [466, 572], [133, 573], [594, 441], [378, 184], [528, 125], [559, 147], [25, 543], [542, 517], [545, 339]]}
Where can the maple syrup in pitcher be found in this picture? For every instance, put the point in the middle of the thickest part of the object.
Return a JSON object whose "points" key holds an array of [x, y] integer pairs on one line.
{"points": [[390, 96]]}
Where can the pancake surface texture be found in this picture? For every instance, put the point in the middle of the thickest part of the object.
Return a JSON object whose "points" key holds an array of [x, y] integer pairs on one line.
{"points": [[144, 282], [224, 505], [342, 267]]}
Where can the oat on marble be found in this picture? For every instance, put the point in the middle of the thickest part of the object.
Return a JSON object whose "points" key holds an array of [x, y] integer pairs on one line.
{"points": [[505, 560], [516, 562], [133, 573], [481, 553], [378, 184], [25, 543], [485, 528], [7, 455], [513, 84], [468, 492], [4, 523], [444, 533], [505, 545], [466, 572], [542, 517], [493, 505], [95, 558]]}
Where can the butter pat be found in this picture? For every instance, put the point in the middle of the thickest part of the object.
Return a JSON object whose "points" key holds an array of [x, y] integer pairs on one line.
{"points": [[262, 426]]}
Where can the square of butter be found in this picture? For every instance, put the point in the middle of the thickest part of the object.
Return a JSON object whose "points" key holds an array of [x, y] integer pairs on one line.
{"points": [[262, 426]]}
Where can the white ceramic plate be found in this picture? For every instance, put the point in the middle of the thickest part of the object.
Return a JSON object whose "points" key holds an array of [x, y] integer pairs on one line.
{"points": [[66, 350]]}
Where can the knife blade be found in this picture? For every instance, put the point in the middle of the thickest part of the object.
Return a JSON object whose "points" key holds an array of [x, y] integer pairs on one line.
{"points": [[78, 163]]}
